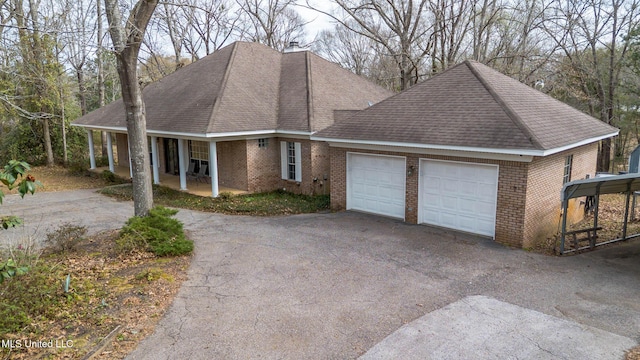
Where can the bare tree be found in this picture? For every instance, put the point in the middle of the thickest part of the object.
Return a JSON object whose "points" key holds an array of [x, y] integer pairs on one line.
{"points": [[357, 53], [127, 39], [590, 36], [34, 51], [272, 22], [399, 26]]}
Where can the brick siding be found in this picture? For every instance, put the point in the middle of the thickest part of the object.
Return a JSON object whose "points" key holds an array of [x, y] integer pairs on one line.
{"points": [[528, 201], [232, 164], [544, 184], [263, 165], [320, 168]]}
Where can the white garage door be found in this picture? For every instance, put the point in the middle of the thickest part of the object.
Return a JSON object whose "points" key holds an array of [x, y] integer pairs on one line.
{"points": [[458, 195], [375, 184]]}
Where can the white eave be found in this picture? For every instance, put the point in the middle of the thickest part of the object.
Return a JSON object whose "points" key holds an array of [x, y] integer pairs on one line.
{"points": [[521, 155], [201, 136]]}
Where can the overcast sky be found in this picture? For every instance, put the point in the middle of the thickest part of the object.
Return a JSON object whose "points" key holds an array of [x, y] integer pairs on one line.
{"points": [[318, 21]]}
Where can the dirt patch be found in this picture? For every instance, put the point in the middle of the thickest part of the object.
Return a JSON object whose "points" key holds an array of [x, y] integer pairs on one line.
{"points": [[610, 219], [58, 178], [633, 354], [107, 291]]}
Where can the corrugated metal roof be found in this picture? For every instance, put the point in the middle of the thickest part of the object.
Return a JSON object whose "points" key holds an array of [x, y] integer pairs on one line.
{"points": [[600, 185]]}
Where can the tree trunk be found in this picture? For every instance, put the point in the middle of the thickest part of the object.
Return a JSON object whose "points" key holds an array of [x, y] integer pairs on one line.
{"points": [[137, 133], [604, 155], [101, 89], [127, 40], [65, 156], [47, 141]]}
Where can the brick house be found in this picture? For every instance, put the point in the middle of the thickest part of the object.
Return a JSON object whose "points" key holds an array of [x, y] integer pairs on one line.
{"points": [[471, 150], [243, 117]]}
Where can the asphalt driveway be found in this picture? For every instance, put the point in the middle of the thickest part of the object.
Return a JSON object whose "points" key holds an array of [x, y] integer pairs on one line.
{"points": [[332, 286]]}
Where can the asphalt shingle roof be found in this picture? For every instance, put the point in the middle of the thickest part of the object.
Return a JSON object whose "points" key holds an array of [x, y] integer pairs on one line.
{"points": [[246, 87], [471, 105]]}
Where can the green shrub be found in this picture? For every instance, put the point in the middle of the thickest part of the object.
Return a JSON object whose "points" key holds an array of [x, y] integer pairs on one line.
{"points": [[108, 176], [66, 237], [158, 233], [78, 166]]}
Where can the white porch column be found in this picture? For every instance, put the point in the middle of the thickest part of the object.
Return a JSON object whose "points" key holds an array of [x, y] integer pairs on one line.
{"points": [[181, 163], [129, 156], [110, 152], [213, 168], [154, 155], [92, 155]]}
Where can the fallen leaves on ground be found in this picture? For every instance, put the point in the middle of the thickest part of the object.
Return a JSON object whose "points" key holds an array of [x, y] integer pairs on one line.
{"points": [[58, 178], [107, 289], [610, 217]]}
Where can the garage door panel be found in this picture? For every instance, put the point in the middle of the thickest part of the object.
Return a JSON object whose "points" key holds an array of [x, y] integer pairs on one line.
{"points": [[487, 190], [449, 203], [449, 219], [376, 184], [458, 195], [485, 209]]}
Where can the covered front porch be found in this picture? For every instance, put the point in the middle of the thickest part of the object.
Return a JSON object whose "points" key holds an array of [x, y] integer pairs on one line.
{"points": [[182, 164], [195, 187]]}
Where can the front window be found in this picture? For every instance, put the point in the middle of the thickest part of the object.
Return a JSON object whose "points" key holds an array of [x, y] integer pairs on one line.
{"points": [[291, 160], [568, 162], [198, 156]]}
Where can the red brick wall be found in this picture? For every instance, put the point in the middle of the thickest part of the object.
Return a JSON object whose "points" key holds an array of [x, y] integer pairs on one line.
{"points": [[232, 164], [306, 185], [542, 218], [320, 167], [263, 165], [512, 186], [338, 176]]}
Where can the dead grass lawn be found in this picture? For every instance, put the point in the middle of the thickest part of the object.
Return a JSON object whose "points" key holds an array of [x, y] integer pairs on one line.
{"points": [[58, 178]]}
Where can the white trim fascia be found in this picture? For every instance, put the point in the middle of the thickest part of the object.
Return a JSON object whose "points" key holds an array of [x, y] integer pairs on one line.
{"points": [[441, 152], [253, 134], [521, 155], [102, 128], [579, 143]]}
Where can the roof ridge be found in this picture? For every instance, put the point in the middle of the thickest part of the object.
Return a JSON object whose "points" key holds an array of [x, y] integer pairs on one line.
{"points": [[223, 84], [505, 107], [307, 64]]}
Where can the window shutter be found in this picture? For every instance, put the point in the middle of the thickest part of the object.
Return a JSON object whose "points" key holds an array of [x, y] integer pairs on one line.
{"points": [[283, 159], [298, 162]]}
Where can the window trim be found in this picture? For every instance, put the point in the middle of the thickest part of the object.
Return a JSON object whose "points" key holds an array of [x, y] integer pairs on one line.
{"points": [[199, 154], [568, 167], [263, 143], [291, 151]]}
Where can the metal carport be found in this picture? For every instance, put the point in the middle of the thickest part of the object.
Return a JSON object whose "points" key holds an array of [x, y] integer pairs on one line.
{"points": [[616, 184]]}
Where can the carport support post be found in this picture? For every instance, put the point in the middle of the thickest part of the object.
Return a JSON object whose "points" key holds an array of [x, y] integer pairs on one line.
{"points": [[626, 212], [183, 171], [565, 205], [154, 156], [592, 242], [92, 155], [110, 152], [213, 168]]}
